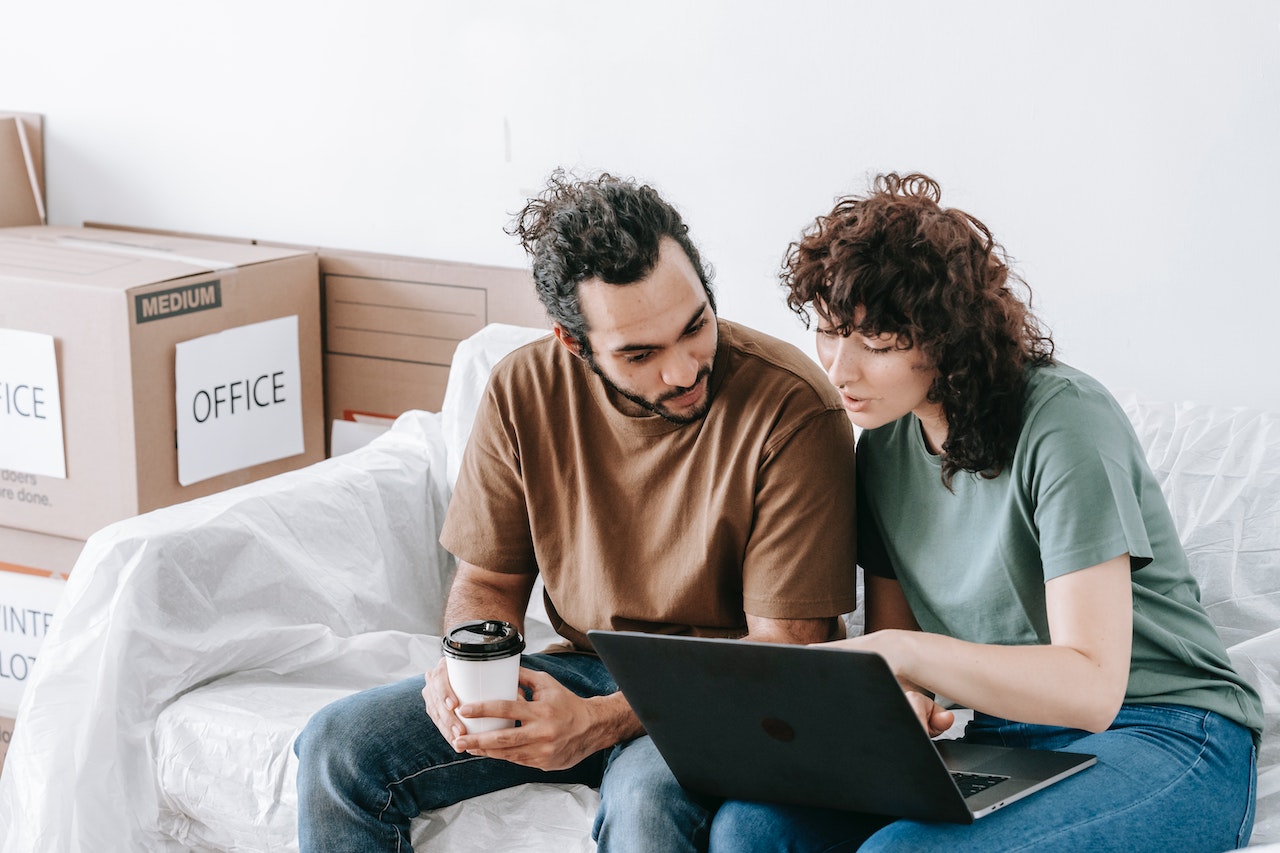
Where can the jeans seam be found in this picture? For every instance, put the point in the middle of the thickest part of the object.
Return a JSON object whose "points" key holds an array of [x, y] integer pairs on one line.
{"points": [[1204, 745], [401, 780]]}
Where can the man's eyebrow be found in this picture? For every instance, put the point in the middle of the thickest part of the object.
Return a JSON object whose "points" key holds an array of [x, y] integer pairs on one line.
{"points": [[697, 315]]}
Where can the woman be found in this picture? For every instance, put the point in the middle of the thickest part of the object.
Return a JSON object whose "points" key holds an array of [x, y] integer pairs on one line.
{"points": [[1018, 554]]}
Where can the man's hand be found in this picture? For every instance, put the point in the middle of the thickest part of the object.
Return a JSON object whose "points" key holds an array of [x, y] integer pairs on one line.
{"points": [[557, 728], [441, 702]]}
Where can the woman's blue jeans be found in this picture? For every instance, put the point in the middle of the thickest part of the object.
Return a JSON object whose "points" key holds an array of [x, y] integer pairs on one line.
{"points": [[371, 762], [1168, 778]]}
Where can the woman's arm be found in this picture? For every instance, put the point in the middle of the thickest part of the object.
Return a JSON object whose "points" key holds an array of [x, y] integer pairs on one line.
{"points": [[1079, 680]]}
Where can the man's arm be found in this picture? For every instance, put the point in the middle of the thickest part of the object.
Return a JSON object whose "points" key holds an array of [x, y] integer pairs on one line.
{"points": [[476, 593], [483, 594], [802, 631]]}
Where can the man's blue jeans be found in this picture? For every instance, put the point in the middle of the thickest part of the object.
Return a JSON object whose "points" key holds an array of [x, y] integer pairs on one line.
{"points": [[370, 763], [1167, 778]]}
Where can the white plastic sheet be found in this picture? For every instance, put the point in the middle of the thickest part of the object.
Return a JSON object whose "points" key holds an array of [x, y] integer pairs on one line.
{"points": [[1219, 469], [318, 574]]}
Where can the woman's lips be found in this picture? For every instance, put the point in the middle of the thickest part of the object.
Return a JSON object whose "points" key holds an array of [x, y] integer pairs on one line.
{"points": [[854, 404]]}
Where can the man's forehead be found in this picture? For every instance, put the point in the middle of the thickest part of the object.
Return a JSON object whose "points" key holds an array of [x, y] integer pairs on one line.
{"points": [[654, 311]]}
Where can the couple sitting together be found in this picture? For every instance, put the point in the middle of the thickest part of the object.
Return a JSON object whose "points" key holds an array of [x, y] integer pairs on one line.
{"points": [[664, 470]]}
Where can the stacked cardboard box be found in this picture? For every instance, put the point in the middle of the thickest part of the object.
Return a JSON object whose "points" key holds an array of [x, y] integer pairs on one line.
{"points": [[138, 371], [158, 404]]}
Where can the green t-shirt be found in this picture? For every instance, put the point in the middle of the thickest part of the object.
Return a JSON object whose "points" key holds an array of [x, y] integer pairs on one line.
{"points": [[973, 563]]}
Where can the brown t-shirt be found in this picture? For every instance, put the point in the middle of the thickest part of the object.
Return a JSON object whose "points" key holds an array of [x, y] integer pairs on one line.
{"points": [[637, 523]]}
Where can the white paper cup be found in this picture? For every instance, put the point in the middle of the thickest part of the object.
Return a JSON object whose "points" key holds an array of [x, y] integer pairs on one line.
{"points": [[483, 660]]}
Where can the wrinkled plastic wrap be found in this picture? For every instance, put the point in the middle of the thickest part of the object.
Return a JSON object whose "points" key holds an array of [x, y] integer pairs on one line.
{"points": [[1219, 469], [194, 642], [315, 575]]}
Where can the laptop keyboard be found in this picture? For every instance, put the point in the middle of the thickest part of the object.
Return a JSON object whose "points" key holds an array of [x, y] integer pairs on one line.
{"points": [[971, 783]]}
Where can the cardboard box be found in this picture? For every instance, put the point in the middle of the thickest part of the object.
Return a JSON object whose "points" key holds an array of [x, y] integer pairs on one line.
{"points": [[6, 735], [33, 568], [33, 571], [122, 309], [21, 169], [27, 606], [392, 325], [37, 554], [392, 322]]}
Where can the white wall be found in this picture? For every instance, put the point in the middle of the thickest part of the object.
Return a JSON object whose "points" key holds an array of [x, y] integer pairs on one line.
{"points": [[1124, 152]]}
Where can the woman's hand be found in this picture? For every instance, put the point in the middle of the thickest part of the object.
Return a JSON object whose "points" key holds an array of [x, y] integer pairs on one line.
{"points": [[894, 647]]}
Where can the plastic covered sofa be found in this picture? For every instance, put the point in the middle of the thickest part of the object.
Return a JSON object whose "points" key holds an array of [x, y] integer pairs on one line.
{"points": [[195, 641]]}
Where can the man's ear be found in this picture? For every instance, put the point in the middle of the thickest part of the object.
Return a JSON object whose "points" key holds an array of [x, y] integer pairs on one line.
{"points": [[567, 340]]}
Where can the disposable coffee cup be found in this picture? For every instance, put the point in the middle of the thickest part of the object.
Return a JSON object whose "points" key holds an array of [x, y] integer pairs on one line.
{"points": [[483, 660]]}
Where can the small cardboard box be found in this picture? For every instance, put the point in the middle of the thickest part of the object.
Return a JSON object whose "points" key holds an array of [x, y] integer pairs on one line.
{"points": [[27, 605], [33, 571], [133, 319], [21, 169], [392, 325]]}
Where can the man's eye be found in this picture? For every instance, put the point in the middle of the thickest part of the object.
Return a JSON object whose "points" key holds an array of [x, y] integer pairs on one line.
{"points": [[636, 359]]}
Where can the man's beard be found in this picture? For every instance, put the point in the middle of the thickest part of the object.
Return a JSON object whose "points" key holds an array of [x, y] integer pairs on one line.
{"points": [[655, 406]]}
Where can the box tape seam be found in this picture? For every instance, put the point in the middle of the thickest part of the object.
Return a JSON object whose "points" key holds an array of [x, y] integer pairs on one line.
{"points": [[143, 252]]}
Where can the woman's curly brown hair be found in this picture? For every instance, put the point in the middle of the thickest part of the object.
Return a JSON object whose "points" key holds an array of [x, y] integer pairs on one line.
{"points": [[936, 278]]}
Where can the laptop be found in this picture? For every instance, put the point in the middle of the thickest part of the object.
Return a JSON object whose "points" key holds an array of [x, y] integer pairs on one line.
{"points": [[810, 726]]}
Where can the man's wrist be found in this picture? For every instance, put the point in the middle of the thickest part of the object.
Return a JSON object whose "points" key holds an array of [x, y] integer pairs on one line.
{"points": [[614, 722]]}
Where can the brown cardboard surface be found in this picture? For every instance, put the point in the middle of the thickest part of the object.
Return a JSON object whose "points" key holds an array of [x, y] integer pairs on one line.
{"points": [[21, 169], [90, 289], [6, 735], [31, 553], [392, 323]]}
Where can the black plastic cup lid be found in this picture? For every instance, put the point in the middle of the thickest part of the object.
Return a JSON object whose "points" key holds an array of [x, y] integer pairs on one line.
{"points": [[485, 639]]}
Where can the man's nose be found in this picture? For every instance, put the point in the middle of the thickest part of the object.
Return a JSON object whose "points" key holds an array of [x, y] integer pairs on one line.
{"points": [[680, 369]]}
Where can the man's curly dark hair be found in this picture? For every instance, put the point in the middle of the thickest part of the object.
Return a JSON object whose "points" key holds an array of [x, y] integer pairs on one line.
{"points": [[936, 278], [605, 227]]}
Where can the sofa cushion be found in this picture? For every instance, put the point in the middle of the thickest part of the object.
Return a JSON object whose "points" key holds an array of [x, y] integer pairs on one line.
{"points": [[225, 763]]}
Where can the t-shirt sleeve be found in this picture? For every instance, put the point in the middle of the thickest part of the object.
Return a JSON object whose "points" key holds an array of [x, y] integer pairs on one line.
{"points": [[1085, 475], [800, 559], [487, 523]]}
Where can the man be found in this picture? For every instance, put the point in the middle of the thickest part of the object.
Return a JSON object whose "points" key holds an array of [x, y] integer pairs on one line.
{"points": [[662, 471]]}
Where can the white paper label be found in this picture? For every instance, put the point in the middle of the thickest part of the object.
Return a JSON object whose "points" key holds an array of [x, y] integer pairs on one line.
{"points": [[30, 405], [239, 398], [27, 603]]}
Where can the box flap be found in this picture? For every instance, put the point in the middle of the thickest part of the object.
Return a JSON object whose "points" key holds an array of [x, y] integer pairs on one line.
{"points": [[21, 173], [117, 259]]}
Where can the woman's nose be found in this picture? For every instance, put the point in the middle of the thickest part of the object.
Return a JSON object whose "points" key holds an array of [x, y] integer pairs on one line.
{"points": [[843, 367]]}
